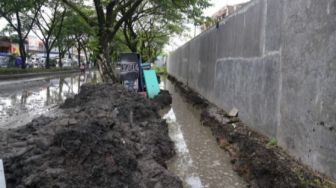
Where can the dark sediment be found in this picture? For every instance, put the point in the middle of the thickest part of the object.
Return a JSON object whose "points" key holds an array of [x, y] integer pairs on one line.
{"points": [[254, 157], [106, 137], [163, 99]]}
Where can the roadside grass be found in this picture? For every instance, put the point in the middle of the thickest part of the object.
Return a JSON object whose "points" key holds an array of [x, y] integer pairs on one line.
{"points": [[272, 142], [15, 70], [160, 70]]}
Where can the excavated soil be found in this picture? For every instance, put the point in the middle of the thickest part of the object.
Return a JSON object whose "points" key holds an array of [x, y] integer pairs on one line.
{"points": [[254, 157], [105, 137]]}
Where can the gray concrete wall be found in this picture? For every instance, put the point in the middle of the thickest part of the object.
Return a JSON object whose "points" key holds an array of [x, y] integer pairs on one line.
{"points": [[274, 60]]}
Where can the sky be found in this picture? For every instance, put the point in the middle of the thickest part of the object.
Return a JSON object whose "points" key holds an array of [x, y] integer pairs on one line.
{"points": [[218, 4]]}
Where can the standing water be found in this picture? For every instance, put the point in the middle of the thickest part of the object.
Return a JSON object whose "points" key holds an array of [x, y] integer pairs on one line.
{"points": [[24, 99], [199, 162]]}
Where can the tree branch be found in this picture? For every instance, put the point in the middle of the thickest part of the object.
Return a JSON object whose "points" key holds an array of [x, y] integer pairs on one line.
{"points": [[74, 7]]}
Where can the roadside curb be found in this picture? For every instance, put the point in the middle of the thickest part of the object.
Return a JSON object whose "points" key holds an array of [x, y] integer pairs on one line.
{"points": [[30, 75]]}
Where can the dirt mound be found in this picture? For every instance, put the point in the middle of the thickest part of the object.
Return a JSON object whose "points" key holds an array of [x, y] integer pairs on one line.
{"points": [[189, 94], [107, 137], [163, 99], [256, 158]]}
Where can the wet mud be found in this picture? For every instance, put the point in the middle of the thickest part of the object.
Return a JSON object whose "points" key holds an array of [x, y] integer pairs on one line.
{"points": [[199, 162], [105, 137], [255, 157]]}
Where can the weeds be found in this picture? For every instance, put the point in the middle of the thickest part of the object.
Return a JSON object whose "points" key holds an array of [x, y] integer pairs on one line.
{"points": [[272, 142]]}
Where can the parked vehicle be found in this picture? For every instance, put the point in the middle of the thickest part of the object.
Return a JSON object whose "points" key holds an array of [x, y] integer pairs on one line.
{"points": [[18, 61], [33, 62], [67, 62], [4, 60]]}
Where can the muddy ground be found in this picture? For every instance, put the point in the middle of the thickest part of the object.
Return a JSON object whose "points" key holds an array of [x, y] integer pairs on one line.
{"points": [[105, 137], [256, 158]]}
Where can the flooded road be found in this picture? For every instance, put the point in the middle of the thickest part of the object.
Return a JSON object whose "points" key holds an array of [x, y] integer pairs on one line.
{"points": [[22, 100], [199, 161]]}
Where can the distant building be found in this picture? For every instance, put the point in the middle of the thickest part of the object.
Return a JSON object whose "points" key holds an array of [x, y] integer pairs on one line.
{"points": [[8, 46], [33, 45], [221, 14], [36, 50]]}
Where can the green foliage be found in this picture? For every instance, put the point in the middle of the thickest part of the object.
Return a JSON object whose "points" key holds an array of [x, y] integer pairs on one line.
{"points": [[20, 15], [146, 25], [148, 30], [75, 32], [272, 142], [53, 62], [160, 70]]}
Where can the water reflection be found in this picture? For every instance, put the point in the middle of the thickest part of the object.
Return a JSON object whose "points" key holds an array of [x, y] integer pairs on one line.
{"points": [[24, 103], [199, 162]]}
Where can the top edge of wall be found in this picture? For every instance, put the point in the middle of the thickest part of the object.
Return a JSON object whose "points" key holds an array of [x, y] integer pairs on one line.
{"points": [[241, 10]]}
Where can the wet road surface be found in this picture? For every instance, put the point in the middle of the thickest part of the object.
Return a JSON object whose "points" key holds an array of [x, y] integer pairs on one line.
{"points": [[199, 161], [22, 100]]}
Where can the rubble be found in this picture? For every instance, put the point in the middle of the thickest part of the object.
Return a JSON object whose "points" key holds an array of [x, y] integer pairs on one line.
{"points": [[105, 137]]}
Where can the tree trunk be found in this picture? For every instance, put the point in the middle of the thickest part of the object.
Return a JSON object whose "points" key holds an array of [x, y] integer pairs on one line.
{"points": [[47, 60], [60, 56], [78, 56], [47, 63], [105, 68], [22, 53], [86, 56], [21, 41]]}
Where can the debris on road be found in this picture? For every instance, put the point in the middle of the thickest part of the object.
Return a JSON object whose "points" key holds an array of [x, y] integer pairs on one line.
{"points": [[233, 112]]}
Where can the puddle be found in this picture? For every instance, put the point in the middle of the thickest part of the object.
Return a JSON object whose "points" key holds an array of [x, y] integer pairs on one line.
{"points": [[20, 103]]}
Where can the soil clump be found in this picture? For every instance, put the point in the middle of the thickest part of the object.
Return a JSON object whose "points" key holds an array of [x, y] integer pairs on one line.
{"points": [[105, 137]]}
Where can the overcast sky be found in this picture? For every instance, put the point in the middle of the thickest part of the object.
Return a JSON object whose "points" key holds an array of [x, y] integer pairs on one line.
{"points": [[217, 4]]}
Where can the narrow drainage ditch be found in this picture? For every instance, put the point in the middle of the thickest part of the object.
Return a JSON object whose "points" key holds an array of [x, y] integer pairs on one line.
{"points": [[199, 161]]}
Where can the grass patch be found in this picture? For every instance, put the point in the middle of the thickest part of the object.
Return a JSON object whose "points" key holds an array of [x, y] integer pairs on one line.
{"points": [[5, 71], [272, 142], [160, 70]]}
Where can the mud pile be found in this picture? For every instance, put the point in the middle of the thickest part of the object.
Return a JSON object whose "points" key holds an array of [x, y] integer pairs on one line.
{"points": [[106, 137], [254, 157]]}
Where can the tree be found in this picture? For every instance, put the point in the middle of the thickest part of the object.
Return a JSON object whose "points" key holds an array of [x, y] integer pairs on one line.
{"points": [[49, 26], [21, 16], [75, 32], [149, 28], [63, 43], [108, 21], [111, 14]]}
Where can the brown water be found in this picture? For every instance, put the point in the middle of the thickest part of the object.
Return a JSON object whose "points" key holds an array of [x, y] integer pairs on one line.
{"points": [[24, 99], [199, 161]]}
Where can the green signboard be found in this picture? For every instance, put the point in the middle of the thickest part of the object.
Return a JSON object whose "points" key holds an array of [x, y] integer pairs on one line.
{"points": [[152, 85]]}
